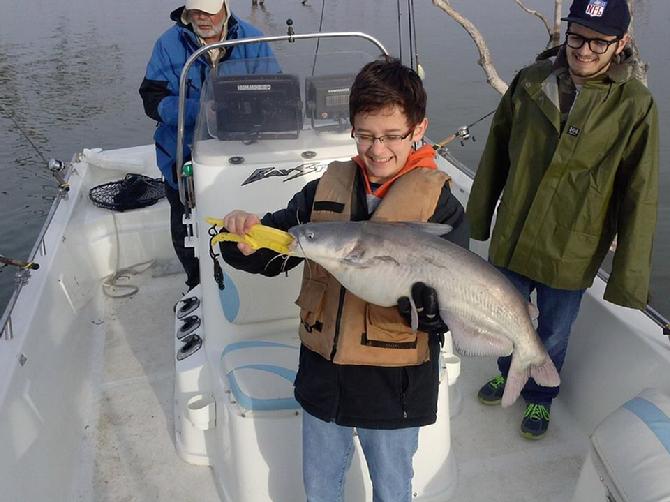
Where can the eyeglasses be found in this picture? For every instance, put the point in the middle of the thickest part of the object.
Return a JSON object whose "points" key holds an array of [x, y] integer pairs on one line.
{"points": [[596, 45], [390, 140]]}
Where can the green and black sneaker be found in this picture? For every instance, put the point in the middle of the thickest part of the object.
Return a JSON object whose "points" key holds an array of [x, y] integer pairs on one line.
{"points": [[492, 391], [535, 420]]}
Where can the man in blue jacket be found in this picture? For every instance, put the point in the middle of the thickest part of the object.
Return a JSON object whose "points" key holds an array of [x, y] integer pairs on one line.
{"points": [[198, 23]]}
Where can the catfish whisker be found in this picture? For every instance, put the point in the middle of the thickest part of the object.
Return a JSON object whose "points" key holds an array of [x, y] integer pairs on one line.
{"points": [[272, 259], [309, 267], [283, 265]]}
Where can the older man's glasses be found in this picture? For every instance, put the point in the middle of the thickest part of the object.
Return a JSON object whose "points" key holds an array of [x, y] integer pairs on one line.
{"points": [[596, 45], [389, 140]]}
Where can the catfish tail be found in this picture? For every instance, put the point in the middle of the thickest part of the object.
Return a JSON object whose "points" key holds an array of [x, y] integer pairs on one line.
{"points": [[545, 374]]}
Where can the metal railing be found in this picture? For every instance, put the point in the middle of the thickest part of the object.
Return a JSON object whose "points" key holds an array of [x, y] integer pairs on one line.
{"points": [[185, 194], [649, 311], [23, 276]]}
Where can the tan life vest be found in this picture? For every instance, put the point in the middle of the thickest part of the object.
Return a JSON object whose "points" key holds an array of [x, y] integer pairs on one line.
{"points": [[337, 324]]}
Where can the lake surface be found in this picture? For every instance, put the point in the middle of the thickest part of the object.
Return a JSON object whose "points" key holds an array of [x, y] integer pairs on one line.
{"points": [[70, 70]]}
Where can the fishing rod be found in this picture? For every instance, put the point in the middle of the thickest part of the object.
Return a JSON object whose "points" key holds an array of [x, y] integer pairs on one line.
{"points": [[462, 133], [318, 40], [399, 13], [56, 167], [26, 265]]}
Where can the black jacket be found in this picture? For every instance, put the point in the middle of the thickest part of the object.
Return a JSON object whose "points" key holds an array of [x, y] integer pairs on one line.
{"points": [[372, 397]]}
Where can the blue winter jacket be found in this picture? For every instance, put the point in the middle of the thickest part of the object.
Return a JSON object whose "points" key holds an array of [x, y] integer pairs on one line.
{"points": [[160, 87]]}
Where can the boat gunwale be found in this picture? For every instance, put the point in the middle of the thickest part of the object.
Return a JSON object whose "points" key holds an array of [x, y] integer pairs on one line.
{"points": [[603, 274], [6, 326], [24, 276]]}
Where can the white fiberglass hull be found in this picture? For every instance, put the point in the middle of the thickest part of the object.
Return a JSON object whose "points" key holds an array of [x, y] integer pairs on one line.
{"points": [[87, 410]]}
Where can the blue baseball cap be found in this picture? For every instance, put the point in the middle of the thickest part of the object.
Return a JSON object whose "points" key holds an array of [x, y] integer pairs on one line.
{"points": [[609, 17]]}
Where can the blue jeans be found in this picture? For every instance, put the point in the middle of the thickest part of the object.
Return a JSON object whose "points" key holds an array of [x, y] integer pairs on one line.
{"points": [[558, 309], [327, 449]]}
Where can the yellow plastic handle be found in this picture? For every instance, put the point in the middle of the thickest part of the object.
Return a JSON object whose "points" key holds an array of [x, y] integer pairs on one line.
{"points": [[259, 236]]}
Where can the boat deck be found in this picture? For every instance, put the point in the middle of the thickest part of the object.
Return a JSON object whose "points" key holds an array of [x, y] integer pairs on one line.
{"points": [[131, 452], [496, 463], [134, 456]]}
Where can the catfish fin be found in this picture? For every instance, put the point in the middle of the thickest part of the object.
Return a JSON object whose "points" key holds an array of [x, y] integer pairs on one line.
{"points": [[517, 376], [546, 374], [361, 257], [357, 257], [414, 314], [475, 342], [438, 229]]}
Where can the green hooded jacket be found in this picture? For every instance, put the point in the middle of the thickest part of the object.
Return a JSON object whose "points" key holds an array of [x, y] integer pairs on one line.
{"points": [[568, 191]]}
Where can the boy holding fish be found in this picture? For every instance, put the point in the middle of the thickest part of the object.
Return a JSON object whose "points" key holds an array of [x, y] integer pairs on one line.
{"points": [[361, 365]]}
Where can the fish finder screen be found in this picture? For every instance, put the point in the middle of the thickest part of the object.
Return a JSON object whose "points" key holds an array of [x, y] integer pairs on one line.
{"points": [[250, 107]]}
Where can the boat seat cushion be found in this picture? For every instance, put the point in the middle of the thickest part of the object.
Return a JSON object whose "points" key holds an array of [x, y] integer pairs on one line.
{"points": [[260, 374], [633, 444]]}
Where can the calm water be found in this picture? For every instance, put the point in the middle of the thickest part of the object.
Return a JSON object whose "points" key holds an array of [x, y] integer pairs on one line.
{"points": [[69, 73]]}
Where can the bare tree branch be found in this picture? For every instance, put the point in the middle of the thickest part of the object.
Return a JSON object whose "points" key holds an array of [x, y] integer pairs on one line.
{"points": [[485, 61], [536, 14], [555, 32], [555, 37], [640, 67], [631, 8]]}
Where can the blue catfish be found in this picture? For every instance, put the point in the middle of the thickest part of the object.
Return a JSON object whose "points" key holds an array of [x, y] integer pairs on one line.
{"points": [[379, 262]]}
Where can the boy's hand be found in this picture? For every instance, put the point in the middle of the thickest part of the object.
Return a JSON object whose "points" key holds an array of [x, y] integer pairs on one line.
{"points": [[427, 308], [240, 222]]}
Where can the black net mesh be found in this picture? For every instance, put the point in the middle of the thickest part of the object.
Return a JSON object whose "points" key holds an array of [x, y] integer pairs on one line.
{"points": [[132, 192]]}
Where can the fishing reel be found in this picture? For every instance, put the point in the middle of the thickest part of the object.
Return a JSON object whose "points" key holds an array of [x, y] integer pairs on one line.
{"points": [[463, 134], [57, 168]]}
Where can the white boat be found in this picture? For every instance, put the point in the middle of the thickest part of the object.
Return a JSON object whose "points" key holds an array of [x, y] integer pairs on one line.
{"points": [[105, 396]]}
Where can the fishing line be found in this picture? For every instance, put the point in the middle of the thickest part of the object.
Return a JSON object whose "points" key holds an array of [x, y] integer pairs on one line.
{"points": [[11, 117], [309, 268], [318, 40], [399, 29]]}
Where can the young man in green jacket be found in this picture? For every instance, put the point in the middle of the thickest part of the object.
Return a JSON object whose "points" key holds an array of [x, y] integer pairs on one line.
{"points": [[573, 148]]}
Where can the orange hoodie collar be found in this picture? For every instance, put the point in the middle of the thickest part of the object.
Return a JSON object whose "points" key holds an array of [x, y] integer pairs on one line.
{"points": [[423, 157]]}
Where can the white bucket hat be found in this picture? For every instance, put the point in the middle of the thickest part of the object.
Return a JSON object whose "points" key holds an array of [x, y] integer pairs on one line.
{"points": [[209, 6]]}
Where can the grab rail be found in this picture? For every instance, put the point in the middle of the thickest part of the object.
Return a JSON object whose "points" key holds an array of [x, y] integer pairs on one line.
{"points": [[649, 311], [188, 198]]}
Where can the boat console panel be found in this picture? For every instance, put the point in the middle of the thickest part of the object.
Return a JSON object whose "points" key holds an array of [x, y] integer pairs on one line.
{"points": [[327, 96], [251, 107]]}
